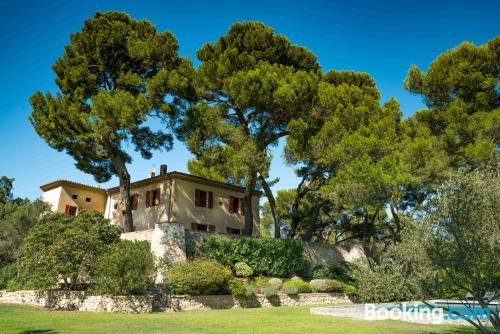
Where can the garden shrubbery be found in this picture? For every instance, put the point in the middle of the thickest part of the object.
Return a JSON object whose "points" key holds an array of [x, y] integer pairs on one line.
{"points": [[126, 268], [325, 285], [268, 257], [198, 277], [302, 287]]}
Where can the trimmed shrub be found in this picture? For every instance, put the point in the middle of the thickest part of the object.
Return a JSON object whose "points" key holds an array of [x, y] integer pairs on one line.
{"points": [[128, 268], [302, 287], [13, 285], [325, 285], [290, 289], [320, 272], [237, 288], [349, 288], [275, 282], [241, 269], [266, 257], [269, 291], [250, 290], [261, 282], [343, 271], [7, 272], [198, 277]]}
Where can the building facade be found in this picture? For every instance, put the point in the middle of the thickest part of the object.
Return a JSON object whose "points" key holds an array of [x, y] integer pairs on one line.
{"points": [[199, 204]]}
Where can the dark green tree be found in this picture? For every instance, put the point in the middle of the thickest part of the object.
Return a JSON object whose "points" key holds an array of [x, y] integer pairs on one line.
{"points": [[66, 248], [115, 74], [5, 189], [462, 91], [252, 82]]}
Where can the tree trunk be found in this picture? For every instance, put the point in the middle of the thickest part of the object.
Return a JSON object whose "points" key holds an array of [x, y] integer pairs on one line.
{"points": [[247, 198], [124, 178], [272, 204], [295, 219], [313, 221], [397, 221]]}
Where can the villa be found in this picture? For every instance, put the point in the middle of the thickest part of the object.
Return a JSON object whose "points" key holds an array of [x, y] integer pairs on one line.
{"points": [[197, 203]]}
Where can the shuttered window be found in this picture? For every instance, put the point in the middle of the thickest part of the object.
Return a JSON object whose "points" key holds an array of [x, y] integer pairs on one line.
{"points": [[204, 199], [236, 205], [153, 197], [134, 199], [202, 227], [70, 210]]}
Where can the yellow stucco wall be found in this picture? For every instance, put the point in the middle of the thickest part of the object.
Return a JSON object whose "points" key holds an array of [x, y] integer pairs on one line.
{"points": [[61, 196], [185, 211], [144, 218]]}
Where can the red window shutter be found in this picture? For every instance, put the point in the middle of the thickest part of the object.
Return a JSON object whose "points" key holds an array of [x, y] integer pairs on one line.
{"points": [[231, 201], [194, 226], [242, 206], [197, 197], [134, 199], [210, 200], [211, 228], [148, 199], [157, 199], [66, 210]]}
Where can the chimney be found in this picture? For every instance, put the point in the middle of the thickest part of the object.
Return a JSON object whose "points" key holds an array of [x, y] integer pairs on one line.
{"points": [[163, 169], [152, 173]]}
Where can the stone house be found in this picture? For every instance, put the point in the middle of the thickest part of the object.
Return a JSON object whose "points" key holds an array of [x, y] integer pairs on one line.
{"points": [[196, 203]]}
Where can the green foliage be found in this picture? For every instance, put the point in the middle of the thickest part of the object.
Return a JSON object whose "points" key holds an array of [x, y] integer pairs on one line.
{"points": [[16, 219], [302, 287], [349, 288], [65, 248], [6, 185], [7, 273], [242, 269], [13, 285], [270, 257], [290, 288], [127, 268], [269, 291], [465, 234], [460, 89], [198, 277], [275, 282], [237, 288], [385, 283], [320, 272], [250, 290], [325, 285]]}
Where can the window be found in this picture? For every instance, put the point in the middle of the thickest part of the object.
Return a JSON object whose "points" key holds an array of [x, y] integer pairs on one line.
{"points": [[202, 227], [71, 210], [204, 199], [153, 197], [88, 199], [230, 230], [236, 205], [134, 199], [74, 196]]}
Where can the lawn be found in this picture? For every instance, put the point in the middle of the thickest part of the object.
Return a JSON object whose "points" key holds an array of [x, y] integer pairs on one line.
{"points": [[23, 319]]}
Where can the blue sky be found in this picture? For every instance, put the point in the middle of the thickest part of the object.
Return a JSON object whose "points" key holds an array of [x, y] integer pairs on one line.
{"points": [[382, 38]]}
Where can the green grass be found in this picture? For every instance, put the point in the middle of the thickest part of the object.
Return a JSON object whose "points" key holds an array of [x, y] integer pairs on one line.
{"points": [[27, 320]]}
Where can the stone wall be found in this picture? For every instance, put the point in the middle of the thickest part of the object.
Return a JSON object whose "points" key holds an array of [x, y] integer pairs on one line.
{"points": [[328, 255], [185, 303], [79, 301]]}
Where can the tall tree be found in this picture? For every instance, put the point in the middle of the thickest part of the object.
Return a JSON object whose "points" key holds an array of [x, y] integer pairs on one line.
{"points": [[115, 73], [6, 186], [252, 83], [462, 91]]}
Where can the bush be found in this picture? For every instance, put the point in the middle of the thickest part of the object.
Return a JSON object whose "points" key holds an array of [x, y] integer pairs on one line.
{"points": [[198, 277], [127, 268], [325, 285], [302, 287], [320, 272], [275, 282], [342, 271], [7, 273], [13, 285], [250, 291], [267, 257], [349, 288], [242, 269], [269, 291], [237, 288], [261, 281], [290, 289], [65, 248]]}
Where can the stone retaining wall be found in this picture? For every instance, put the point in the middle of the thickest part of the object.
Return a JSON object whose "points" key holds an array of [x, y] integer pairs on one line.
{"points": [[79, 301], [213, 302]]}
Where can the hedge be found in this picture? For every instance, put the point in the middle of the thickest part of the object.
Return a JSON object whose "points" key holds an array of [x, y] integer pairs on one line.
{"points": [[266, 257]]}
